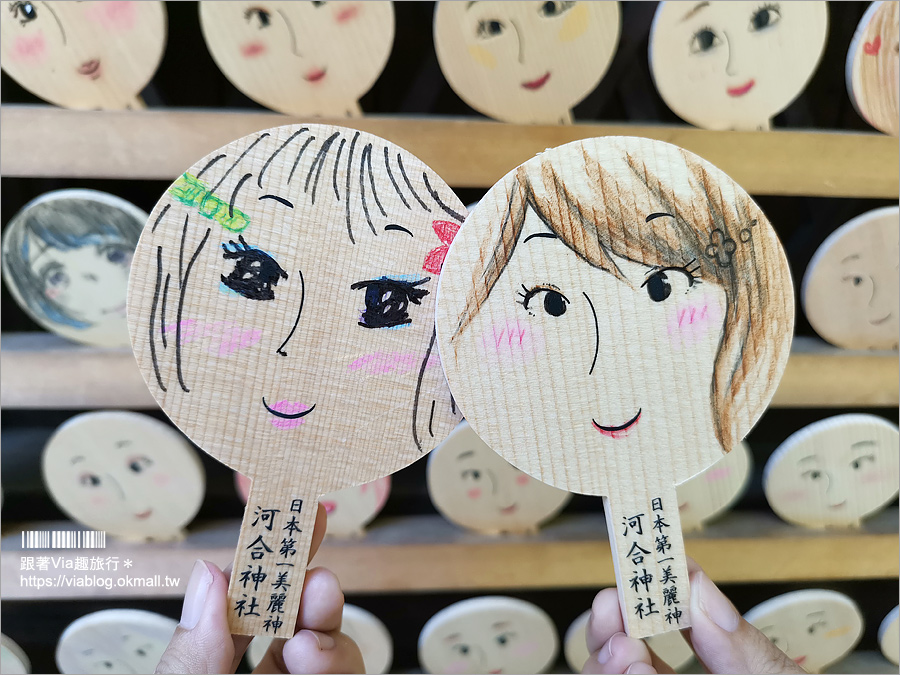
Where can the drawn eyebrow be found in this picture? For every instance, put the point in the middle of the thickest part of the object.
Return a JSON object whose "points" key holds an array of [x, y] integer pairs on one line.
{"points": [[855, 256], [547, 235], [499, 624], [79, 458], [815, 613], [465, 454], [470, 3], [280, 200], [123, 443], [395, 226], [654, 216], [853, 445], [453, 636], [808, 457], [697, 8]]}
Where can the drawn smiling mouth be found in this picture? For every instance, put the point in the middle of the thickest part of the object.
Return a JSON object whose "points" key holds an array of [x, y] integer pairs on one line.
{"points": [[538, 83], [837, 506], [315, 75], [878, 322], [509, 509], [144, 514], [800, 659], [743, 89], [620, 431], [287, 410], [90, 69]]}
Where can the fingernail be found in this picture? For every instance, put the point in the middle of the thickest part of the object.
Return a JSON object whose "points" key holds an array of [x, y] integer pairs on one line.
{"points": [[640, 668], [324, 640], [712, 602], [195, 595], [606, 652]]}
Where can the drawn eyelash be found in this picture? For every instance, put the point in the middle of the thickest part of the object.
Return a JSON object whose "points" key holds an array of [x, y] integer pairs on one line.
{"points": [[28, 13], [255, 272], [690, 269], [387, 301], [528, 293]]}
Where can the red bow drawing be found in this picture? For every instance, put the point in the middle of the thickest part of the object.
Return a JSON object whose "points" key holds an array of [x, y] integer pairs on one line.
{"points": [[445, 230]]}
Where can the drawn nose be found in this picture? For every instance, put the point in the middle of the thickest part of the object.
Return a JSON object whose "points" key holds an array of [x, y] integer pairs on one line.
{"points": [[730, 65], [492, 478], [291, 32], [519, 42], [293, 330], [596, 333], [89, 276], [118, 486]]}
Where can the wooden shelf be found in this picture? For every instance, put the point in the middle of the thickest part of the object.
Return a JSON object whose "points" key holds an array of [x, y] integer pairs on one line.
{"points": [[466, 152], [427, 553], [42, 370]]}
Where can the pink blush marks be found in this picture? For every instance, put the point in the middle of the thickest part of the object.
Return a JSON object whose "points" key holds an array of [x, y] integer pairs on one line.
{"points": [[525, 649], [222, 337], [114, 15], [792, 496], [458, 666], [99, 501], [695, 321], [872, 477], [474, 493], [511, 342], [161, 479], [345, 14], [253, 49], [717, 474], [288, 408], [30, 50], [383, 363], [522, 479]]}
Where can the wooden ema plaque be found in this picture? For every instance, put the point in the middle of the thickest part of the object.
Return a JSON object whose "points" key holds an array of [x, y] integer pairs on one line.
{"points": [[281, 309], [614, 314]]}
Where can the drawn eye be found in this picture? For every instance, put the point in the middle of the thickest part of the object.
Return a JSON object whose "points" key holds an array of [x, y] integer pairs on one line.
{"points": [[704, 40], [554, 302], [318, 3], [55, 277], [811, 630], [25, 12], [504, 639], [489, 28], [556, 8], [859, 462], [89, 479], [462, 649], [765, 17], [260, 16], [659, 283], [138, 464], [116, 254], [474, 474], [387, 301], [813, 474], [255, 272]]}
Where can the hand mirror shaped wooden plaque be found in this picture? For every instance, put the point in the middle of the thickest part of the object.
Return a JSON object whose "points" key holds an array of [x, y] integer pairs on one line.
{"points": [[526, 62], [735, 64], [615, 313], [265, 275], [301, 58], [873, 67], [84, 55]]}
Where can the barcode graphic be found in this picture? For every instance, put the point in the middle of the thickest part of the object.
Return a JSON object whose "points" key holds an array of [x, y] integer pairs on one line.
{"points": [[63, 539]]}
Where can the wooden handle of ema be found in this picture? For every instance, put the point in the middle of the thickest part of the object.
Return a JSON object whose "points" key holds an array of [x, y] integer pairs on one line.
{"points": [[650, 562], [270, 561]]}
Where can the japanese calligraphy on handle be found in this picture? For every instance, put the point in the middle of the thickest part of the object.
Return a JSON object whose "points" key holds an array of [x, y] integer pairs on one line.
{"points": [[594, 323], [281, 310]]}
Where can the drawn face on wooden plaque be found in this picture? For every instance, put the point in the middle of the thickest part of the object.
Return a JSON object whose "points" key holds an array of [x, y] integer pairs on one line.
{"points": [[126, 473], [114, 641], [873, 67], [66, 259], [815, 627], [364, 628], [711, 492], [474, 487], [490, 634], [12, 659], [526, 62], [300, 58], [594, 323], [84, 55], [282, 313], [349, 510], [670, 647], [835, 472], [735, 64], [851, 289], [889, 636]]}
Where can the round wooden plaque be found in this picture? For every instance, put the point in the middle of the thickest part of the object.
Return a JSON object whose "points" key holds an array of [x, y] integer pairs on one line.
{"points": [[12, 659], [85, 55], [873, 67], [715, 490], [889, 636]]}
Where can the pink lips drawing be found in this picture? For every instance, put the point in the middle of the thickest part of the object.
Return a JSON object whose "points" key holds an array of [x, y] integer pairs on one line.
{"points": [[90, 69], [287, 414], [509, 509], [314, 75], [538, 83], [329, 506], [800, 659], [143, 515], [743, 89], [620, 431]]}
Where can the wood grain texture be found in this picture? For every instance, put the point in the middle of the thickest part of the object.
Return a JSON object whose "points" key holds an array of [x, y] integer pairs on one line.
{"points": [[594, 323], [158, 144], [300, 58], [85, 55], [735, 64], [281, 311], [524, 61], [851, 289], [429, 554], [814, 626], [873, 67]]}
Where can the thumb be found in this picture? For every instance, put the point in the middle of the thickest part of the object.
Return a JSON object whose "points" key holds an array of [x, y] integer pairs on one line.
{"points": [[724, 641], [202, 642]]}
